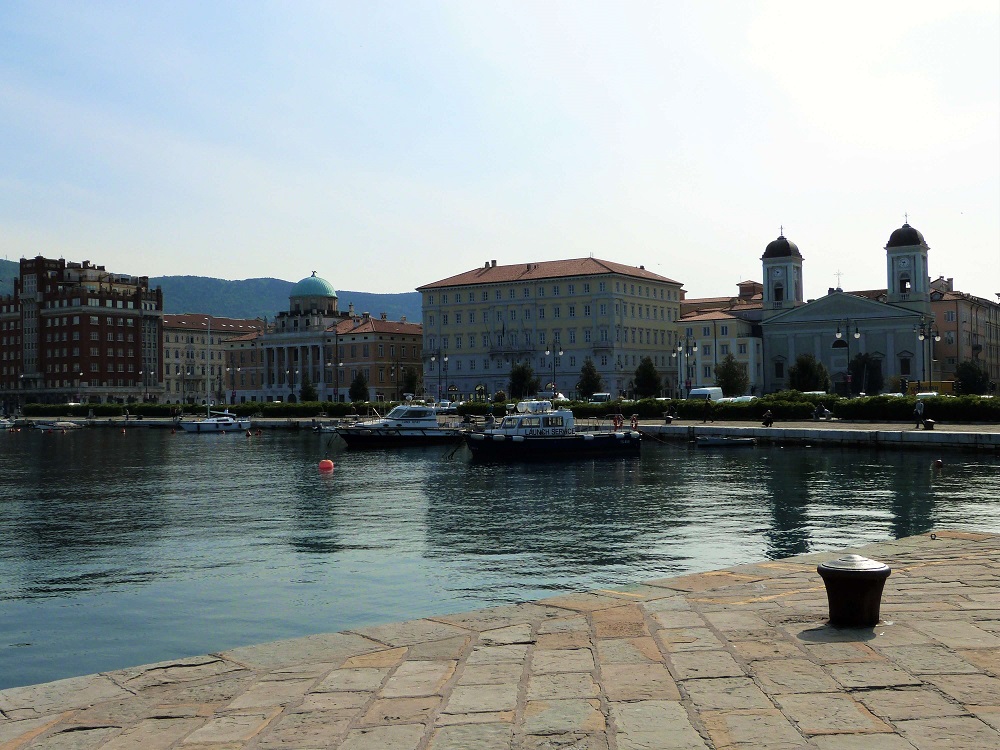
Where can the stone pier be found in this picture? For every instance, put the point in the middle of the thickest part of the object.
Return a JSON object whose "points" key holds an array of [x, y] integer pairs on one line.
{"points": [[735, 658]]}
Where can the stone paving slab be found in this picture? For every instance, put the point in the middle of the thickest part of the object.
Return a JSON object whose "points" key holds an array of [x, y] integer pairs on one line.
{"points": [[738, 658]]}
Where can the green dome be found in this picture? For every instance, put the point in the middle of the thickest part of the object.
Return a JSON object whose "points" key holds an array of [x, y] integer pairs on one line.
{"points": [[313, 286]]}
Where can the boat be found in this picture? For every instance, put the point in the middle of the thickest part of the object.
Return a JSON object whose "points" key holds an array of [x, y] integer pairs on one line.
{"points": [[536, 430], [60, 426], [6, 424], [723, 441], [403, 425], [217, 421]]}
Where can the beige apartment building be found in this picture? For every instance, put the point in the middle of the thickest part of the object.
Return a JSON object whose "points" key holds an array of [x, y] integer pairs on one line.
{"points": [[552, 315], [707, 338], [195, 356]]}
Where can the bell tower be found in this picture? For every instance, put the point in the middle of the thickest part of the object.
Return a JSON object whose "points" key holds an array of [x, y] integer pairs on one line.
{"points": [[907, 275], [782, 276]]}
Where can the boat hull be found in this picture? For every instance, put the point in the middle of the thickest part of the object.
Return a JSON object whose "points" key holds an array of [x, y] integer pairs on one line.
{"points": [[360, 438], [487, 446], [206, 426]]}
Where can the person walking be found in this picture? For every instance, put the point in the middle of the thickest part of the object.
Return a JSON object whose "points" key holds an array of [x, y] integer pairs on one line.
{"points": [[708, 411], [918, 414]]}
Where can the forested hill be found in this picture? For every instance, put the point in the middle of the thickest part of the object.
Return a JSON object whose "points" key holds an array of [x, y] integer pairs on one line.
{"points": [[249, 298], [258, 298]]}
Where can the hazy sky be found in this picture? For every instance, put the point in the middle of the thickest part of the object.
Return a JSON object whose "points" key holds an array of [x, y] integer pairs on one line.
{"points": [[390, 144]]}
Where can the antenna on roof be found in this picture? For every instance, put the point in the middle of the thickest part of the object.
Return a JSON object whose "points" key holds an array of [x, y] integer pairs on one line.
{"points": [[781, 230], [906, 218], [838, 274]]}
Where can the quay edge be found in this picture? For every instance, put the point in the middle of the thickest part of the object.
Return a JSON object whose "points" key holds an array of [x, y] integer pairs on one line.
{"points": [[984, 438]]}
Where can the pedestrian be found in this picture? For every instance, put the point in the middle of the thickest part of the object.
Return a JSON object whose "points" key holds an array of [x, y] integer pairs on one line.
{"points": [[768, 418], [918, 414], [708, 411]]}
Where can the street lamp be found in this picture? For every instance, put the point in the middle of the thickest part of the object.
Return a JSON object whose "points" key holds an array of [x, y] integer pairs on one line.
{"points": [[232, 372], [927, 332], [843, 339], [684, 350], [445, 360], [549, 352]]}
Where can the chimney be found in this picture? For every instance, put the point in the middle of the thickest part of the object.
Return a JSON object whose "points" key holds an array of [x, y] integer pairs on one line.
{"points": [[384, 316], [493, 263], [951, 285], [402, 318], [350, 309]]}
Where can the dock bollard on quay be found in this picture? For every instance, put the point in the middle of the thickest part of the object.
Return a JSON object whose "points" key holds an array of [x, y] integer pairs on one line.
{"points": [[854, 590]]}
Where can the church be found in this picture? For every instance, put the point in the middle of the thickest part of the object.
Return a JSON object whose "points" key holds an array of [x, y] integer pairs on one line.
{"points": [[893, 326]]}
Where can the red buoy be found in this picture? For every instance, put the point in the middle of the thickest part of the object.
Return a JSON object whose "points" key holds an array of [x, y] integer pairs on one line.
{"points": [[326, 465]]}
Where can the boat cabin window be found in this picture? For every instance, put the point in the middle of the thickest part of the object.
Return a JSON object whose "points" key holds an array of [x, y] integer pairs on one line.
{"points": [[552, 422], [531, 422]]}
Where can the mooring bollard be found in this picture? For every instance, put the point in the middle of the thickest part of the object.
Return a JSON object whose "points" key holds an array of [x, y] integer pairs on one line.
{"points": [[854, 590]]}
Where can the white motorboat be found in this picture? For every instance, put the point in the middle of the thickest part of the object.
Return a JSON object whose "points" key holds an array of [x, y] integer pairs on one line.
{"points": [[217, 421], [537, 431], [61, 426], [403, 425]]}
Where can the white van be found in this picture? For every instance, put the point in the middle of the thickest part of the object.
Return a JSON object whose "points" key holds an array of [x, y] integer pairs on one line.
{"points": [[706, 394], [600, 398]]}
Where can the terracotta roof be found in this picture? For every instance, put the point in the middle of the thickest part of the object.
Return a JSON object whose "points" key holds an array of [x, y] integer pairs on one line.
{"points": [[376, 325], [199, 322], [549, 269], [710, 315]]}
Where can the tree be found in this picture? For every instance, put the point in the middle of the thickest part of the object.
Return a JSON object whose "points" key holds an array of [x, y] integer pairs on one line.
{"points": [[866, 374], [522, 381], [591, 381], [732, 377], [410, 379], [808, 374], [972, 377], [359, 387], [308, 390], [647, 379]]}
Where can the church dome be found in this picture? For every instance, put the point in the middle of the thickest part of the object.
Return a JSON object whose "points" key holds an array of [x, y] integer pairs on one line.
{"points": [[313, 286], [905, 236], [781, 248]]}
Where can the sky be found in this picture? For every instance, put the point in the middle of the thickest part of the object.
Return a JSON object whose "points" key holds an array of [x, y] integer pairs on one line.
{"points": [[386, 145]]}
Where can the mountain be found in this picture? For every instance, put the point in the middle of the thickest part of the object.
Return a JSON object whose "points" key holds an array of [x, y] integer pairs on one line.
{"points": [[259, 298], [250, 298]]}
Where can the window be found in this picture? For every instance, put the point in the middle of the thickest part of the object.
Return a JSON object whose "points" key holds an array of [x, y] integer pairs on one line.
{"points": [[472, 296], [742, 349], [586, 311], [572, 311], [555, 291], [586, 335], [779, 370], [904, 365], [706, 350], [724, 331], [602, 286], [724, 349], [499, 296], [555, 312], [444, 299], [444, 319], [458, 318], [571, 289], [541, 313], [586, 288], [513, 314], [949, 315], [604, 309], [527, 293]]}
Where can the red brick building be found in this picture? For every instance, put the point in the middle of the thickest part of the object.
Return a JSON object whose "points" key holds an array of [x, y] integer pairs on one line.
{"points": [[77, 332]]}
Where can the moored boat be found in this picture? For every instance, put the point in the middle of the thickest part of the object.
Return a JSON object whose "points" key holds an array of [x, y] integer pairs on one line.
{"points": [[404, 425], [723, 441], [538, 431], [60, 426], [219, 421]]}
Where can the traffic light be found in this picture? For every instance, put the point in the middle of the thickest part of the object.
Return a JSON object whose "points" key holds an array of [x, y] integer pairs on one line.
{"points": [[904, 385]]}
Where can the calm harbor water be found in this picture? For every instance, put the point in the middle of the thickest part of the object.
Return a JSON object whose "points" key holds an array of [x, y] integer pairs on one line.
{"points": [[118, 549]]}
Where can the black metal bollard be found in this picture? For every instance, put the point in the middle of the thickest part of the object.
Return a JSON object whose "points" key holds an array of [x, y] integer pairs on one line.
{"points": [[854, 590]]}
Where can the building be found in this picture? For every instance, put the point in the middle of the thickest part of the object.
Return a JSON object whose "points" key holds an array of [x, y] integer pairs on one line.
{"points": [[195, 349], [314, 343], [708, 338], [552, 315], [913, 329], [895, 330], [75, 332], [969, 329]]}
